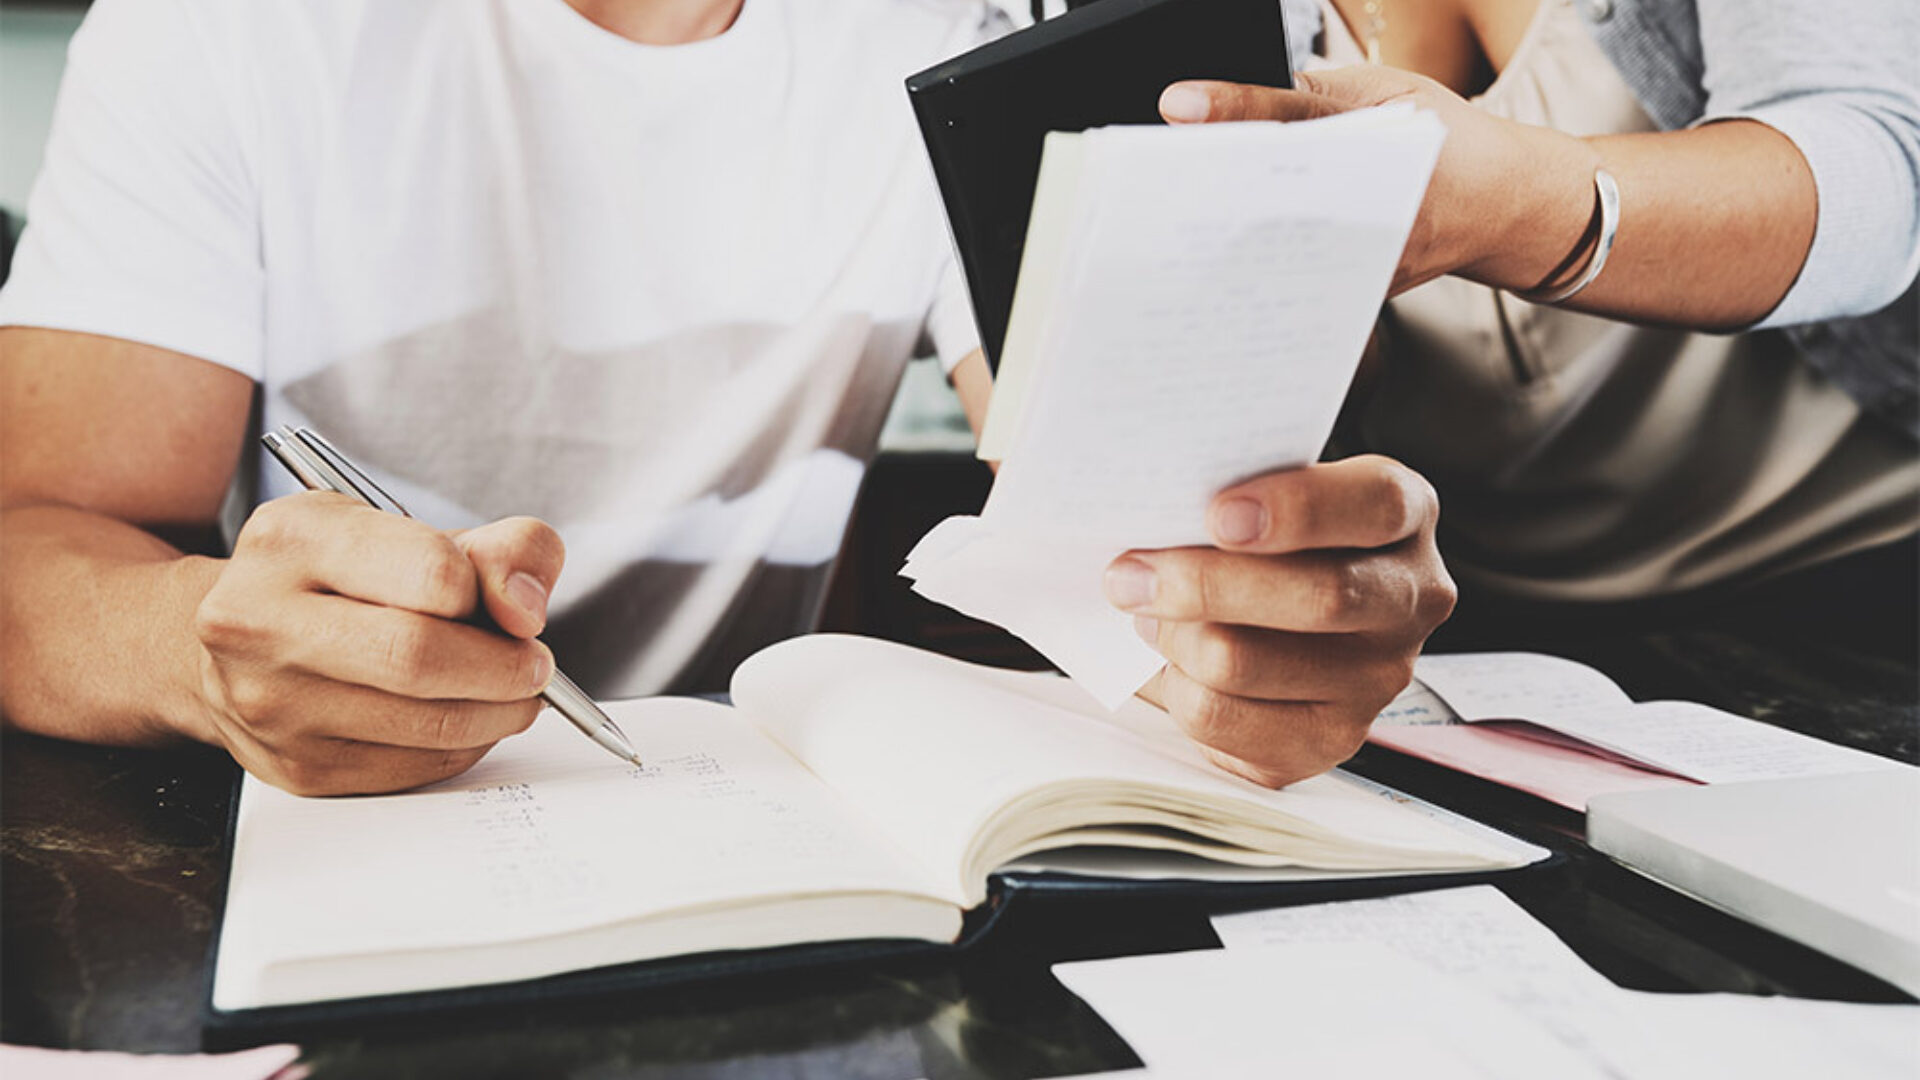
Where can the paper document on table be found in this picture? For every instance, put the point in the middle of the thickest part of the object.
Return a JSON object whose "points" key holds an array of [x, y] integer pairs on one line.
{"points": [[1515, 685], [1520, 755], [1568, 708], [1209, 292], [1714, 747], [1564, 775], [260, 1063], [1484, 941], [1475, 934], [1314, 1009]]}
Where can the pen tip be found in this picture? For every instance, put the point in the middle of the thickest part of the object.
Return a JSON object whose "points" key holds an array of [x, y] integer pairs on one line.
{"points": [[635, 758]]}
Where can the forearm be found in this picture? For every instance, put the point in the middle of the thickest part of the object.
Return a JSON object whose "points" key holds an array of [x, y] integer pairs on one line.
{"points": [[96, 629], [973, 382], [1715, 223]]}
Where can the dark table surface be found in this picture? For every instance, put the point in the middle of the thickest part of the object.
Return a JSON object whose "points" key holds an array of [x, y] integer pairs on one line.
{"points": [[114, 863]]}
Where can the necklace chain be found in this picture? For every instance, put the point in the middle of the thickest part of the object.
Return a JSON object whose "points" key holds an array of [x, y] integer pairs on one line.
{"points": [[1376, 26]]}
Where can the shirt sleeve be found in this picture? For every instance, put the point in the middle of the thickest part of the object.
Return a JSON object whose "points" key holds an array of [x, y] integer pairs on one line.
{"points": [[1838, 78], [143, 223]]}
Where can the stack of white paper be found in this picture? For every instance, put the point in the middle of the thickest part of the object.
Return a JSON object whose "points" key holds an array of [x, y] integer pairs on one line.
{"points": [[1191, 307], [1458, 983]]}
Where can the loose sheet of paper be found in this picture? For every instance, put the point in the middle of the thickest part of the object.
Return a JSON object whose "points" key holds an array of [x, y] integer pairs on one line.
{"points": [[1216, 287], [1564, 775], [1480, 939], [260, 1063], [1313, 1009], [1516, 685], [1680, 738], [1536, 760], [1711, 746]]}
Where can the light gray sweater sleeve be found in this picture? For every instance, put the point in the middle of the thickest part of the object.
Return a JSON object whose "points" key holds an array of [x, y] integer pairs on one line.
{"points": [[1838, 77]]}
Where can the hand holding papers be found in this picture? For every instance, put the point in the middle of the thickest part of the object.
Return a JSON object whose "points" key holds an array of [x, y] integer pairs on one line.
{"points": [[1190, 311]]}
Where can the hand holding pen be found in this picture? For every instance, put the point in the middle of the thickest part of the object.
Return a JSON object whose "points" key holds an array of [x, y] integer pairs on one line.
{"points": [[339, 652]]}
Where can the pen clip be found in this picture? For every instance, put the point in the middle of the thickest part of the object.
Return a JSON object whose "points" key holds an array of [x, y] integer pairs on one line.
{"points": [[290, 454], [355, 479]]}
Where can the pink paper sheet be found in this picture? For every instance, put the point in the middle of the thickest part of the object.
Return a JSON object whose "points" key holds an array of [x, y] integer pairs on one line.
{"points": [[1559, 773], [260, 1063]]}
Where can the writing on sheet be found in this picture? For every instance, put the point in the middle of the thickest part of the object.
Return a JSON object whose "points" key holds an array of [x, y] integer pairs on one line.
{"points": [[1714, 747], [521, 863], [1416, 706], [1516, 686], [533, 853], [1223, 369], [1483, 939]]}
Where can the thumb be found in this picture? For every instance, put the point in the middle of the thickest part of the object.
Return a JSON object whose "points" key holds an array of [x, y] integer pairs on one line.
{"points": [[518, 561], [1203, 101], [1315, 94]]}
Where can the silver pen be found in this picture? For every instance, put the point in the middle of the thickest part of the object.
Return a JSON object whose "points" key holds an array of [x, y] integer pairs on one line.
{"points": [[319, 467]]}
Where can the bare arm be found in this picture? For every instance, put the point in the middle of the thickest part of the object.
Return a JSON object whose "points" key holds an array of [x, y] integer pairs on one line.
{"points": [[102, 440], [332, 653], [974, 383], [1715, 222]]}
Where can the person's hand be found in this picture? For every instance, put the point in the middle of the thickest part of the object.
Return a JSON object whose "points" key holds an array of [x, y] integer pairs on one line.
{"points": [[340, 648], [1507, 201], [1285, 641]]}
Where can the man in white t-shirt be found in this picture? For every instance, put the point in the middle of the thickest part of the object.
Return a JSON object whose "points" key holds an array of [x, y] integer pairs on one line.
{"points": [[646, 270]]}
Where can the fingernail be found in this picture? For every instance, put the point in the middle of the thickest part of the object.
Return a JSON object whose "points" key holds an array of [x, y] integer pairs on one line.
{"points": [[528, 595], [1239, 521], [542, 670], [1129, 584], [1183, 104], [1148, 629]]}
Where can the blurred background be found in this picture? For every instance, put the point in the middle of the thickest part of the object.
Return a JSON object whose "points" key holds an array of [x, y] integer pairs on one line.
{"points": [[33, 50]]}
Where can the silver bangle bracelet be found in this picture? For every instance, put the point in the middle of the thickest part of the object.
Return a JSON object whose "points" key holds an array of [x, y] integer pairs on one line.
{"points": [[1608, 194]]}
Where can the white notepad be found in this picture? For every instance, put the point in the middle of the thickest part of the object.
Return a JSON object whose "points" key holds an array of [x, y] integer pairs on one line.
{"points": [[1830, 861]]}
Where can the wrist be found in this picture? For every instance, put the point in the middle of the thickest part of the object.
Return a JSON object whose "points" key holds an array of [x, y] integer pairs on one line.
{"points": [[188, 710], [1547, 215]]}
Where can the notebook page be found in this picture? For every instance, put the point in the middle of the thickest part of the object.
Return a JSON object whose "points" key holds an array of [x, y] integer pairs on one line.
{"points": [[932, 749], [548, 834]]}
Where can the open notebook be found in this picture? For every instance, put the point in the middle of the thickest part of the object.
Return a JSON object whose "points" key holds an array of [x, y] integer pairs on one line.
{"points": [[858, 790]]}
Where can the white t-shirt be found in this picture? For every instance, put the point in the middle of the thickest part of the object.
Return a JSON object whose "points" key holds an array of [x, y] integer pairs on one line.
{"points": [[512, 263]]}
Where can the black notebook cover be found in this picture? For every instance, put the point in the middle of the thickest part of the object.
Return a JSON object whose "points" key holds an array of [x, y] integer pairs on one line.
{"points": [[984, 114], [1090, 904]]}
